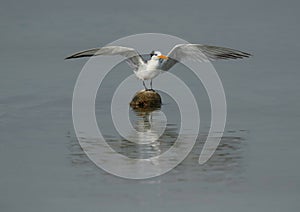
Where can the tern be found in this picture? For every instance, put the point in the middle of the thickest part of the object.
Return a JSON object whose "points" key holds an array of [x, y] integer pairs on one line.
{"points": [[149, 69]]}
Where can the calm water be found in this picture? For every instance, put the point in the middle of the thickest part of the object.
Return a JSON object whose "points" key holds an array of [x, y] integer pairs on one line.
{"points": [[255, 167]]}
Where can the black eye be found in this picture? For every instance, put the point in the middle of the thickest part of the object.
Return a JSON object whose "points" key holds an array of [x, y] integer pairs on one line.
{"points": [[153, 54]]}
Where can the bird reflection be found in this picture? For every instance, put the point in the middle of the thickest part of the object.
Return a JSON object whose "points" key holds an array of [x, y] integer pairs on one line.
{"points": [[151, 136], [226, 164], [150, 125], [145, 122]]}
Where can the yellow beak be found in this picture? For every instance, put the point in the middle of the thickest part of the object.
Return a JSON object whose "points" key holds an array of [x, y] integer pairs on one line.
{"points": [[163, 57]]}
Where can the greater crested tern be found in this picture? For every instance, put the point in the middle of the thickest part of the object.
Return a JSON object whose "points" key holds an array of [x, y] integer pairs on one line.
{"points": [[149, 69]]}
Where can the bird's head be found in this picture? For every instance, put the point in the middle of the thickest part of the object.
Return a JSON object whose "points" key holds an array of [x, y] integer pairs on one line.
{"points": [[156, 55]]}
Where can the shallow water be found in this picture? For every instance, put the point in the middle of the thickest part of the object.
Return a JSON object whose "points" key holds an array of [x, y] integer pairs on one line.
{"points": [[254, 168]]}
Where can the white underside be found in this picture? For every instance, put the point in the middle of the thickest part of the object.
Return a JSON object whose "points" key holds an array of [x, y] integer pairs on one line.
{"points": [[147, 74], [148, 71]]}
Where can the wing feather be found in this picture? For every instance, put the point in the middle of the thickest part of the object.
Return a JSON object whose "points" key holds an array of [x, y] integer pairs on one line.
{"points": [[202, 53], [133, 57]]}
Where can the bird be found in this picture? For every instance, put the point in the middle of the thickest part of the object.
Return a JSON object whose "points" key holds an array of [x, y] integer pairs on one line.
{"points": [[158, 63]]}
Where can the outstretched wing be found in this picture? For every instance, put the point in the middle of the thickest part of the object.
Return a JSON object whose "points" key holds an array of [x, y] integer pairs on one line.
{"points": [[201, 53], [133, 57]]}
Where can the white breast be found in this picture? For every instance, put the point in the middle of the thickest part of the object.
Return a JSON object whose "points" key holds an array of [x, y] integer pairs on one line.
{"points": [[149, 70]]}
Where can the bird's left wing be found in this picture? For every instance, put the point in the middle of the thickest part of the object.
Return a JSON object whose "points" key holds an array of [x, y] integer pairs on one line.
{"points": [[133, 57], [202, 53]]}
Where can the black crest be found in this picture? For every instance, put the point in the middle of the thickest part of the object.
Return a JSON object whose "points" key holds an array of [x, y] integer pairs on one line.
{"points": [[152, 53]]}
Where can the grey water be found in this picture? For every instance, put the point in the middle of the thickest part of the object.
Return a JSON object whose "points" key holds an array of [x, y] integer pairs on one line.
{"points": [[254, 168]]}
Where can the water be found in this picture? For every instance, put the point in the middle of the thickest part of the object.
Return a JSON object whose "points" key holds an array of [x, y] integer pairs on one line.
{"points": [[253, 169]]}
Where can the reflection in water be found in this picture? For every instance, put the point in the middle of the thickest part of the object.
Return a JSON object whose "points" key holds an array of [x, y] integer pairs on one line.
{"points": [[226, 164], [153, 136], [149, 127]]}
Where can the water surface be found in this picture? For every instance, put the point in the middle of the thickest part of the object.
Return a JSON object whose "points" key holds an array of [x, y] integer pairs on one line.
{"points": [[255, 168]]}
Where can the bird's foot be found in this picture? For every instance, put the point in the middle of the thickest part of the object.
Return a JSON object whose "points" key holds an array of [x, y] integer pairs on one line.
{"points": [[150, 89]]}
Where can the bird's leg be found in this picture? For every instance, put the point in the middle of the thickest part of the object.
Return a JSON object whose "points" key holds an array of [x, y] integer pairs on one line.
{"points": [[151, 84], [144, 85]]}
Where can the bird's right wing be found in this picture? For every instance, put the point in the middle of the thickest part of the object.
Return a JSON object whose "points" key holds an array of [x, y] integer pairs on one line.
{"points": [[202, 53], [133, 57]]}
